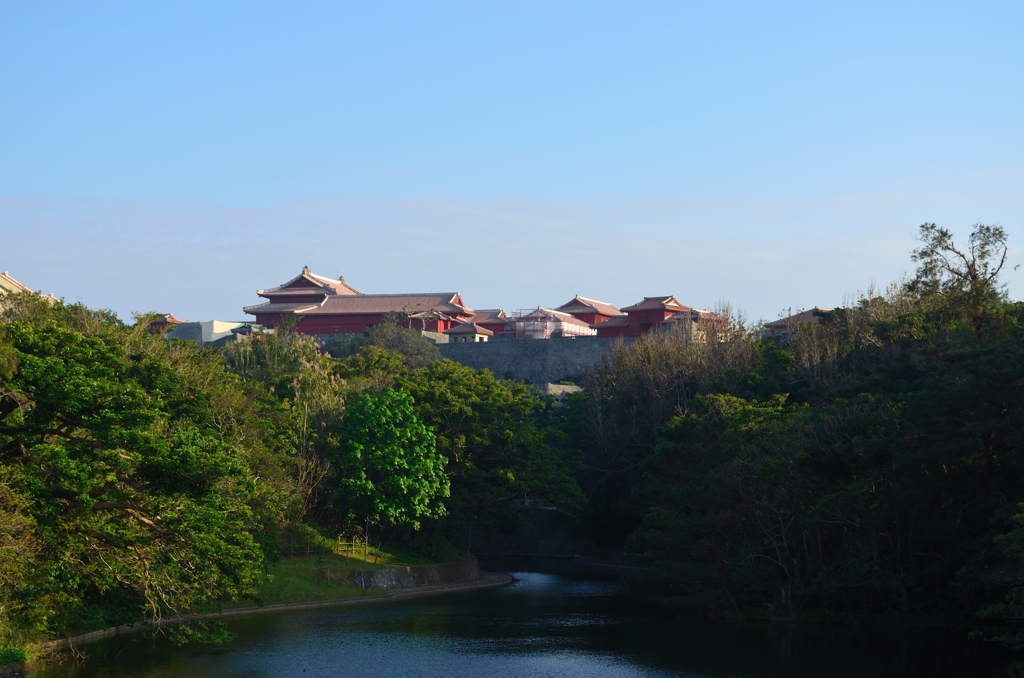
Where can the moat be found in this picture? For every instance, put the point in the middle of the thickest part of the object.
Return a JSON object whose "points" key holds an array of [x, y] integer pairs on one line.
{"points": [[542, 625]]}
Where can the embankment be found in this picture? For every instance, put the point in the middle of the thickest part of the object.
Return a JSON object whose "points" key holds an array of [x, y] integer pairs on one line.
{"points": [[394, 584]]}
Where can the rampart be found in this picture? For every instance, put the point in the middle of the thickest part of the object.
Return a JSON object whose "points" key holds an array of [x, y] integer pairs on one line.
{"points": [[538, 361]]}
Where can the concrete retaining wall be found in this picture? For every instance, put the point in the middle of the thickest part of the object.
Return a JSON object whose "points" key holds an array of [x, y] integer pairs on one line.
{"points": [[538, 361], [420, 575]]}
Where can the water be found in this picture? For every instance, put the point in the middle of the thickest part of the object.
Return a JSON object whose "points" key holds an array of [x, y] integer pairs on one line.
{"points": [[543, 625]]}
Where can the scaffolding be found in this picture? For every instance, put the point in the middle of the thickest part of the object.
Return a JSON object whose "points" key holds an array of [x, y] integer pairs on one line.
{"points": [[545, 323]]}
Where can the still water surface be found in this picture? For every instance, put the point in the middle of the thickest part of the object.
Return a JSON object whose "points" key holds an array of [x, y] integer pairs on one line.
{"points": [[543, 625]]}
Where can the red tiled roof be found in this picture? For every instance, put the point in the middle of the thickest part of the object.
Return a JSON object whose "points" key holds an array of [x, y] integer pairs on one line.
{"points": [[469, 328], [168, 319], [580, 304], [705, 314], [322, 282], [678, 318], [668, 303], [9, 284], [270, 307], [550, 312], [356, 304], [298, 292], [430, 314], [694, 315], [617, 321], [811, 316], [489, 315]]}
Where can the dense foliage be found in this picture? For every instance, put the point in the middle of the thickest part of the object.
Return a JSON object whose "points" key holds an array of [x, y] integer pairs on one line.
{"points": [[142, 478], [869, 464], [127, 485], [866, 465]]}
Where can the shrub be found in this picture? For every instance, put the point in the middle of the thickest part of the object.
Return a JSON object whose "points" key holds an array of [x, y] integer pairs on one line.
{"points": [[12, 655]]}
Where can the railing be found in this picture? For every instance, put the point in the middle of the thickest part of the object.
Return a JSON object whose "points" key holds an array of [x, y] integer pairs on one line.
{"points": [[350, 547]]}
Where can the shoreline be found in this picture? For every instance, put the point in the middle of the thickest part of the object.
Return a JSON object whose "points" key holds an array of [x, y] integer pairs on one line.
{"points": [[486, 580]]}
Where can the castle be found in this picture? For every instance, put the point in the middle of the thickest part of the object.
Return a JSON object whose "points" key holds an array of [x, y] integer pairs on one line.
{"points": [[321, 306]]}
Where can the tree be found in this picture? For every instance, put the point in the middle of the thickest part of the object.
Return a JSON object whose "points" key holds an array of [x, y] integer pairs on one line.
{"points": [[886, 483], [407, 343], [721, 506], [953, 268], [967, 274], [389, 469], [633, 393], [318, 408], [17, 550], [272, 359], [494, 451], [139, 506]]}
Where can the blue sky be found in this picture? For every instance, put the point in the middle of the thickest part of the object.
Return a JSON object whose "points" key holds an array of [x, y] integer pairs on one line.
{"points": [[178, 156]]}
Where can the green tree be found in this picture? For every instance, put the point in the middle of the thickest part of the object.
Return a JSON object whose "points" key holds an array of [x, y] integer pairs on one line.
{"points": [[17, 552], [721, 509], [138, 507], [632, 394], [948, 267], [408, 343], [967, 275], [273, 359], [495, 452], [389, 469], [371, 370]]}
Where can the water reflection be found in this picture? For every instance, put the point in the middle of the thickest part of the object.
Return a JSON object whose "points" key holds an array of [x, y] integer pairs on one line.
{"points": [[543, 625]]}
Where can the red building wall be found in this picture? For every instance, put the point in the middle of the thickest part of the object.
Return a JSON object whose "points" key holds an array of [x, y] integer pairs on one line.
{"points": [[498, 326], [591, 318], [311, 298], [357, 324], [640, 323], [268, 319]]}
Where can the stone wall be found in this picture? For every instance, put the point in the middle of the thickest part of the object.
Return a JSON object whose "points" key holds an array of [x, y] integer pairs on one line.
{"points": [[420, 575], [435, 337], [215, 333], [559, 390], [538, 361]]}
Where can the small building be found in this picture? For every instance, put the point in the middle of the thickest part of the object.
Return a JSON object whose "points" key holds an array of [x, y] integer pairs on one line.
{"points": [[429, 321], [468, 333], [547, 323], [495, 320], [215, 332], [696, 316], [164, 324], [697, 323], [8, 285], [590, 311], [781, 328], [249, 329], [646, 316]]}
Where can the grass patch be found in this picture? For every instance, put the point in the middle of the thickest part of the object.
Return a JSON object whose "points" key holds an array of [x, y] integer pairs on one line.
{"points": [[307, 579], [299, 585], [352, 558]]}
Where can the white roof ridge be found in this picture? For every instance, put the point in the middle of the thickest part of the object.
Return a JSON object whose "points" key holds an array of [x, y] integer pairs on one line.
{"points": [[450, 295], [596, 301]]}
